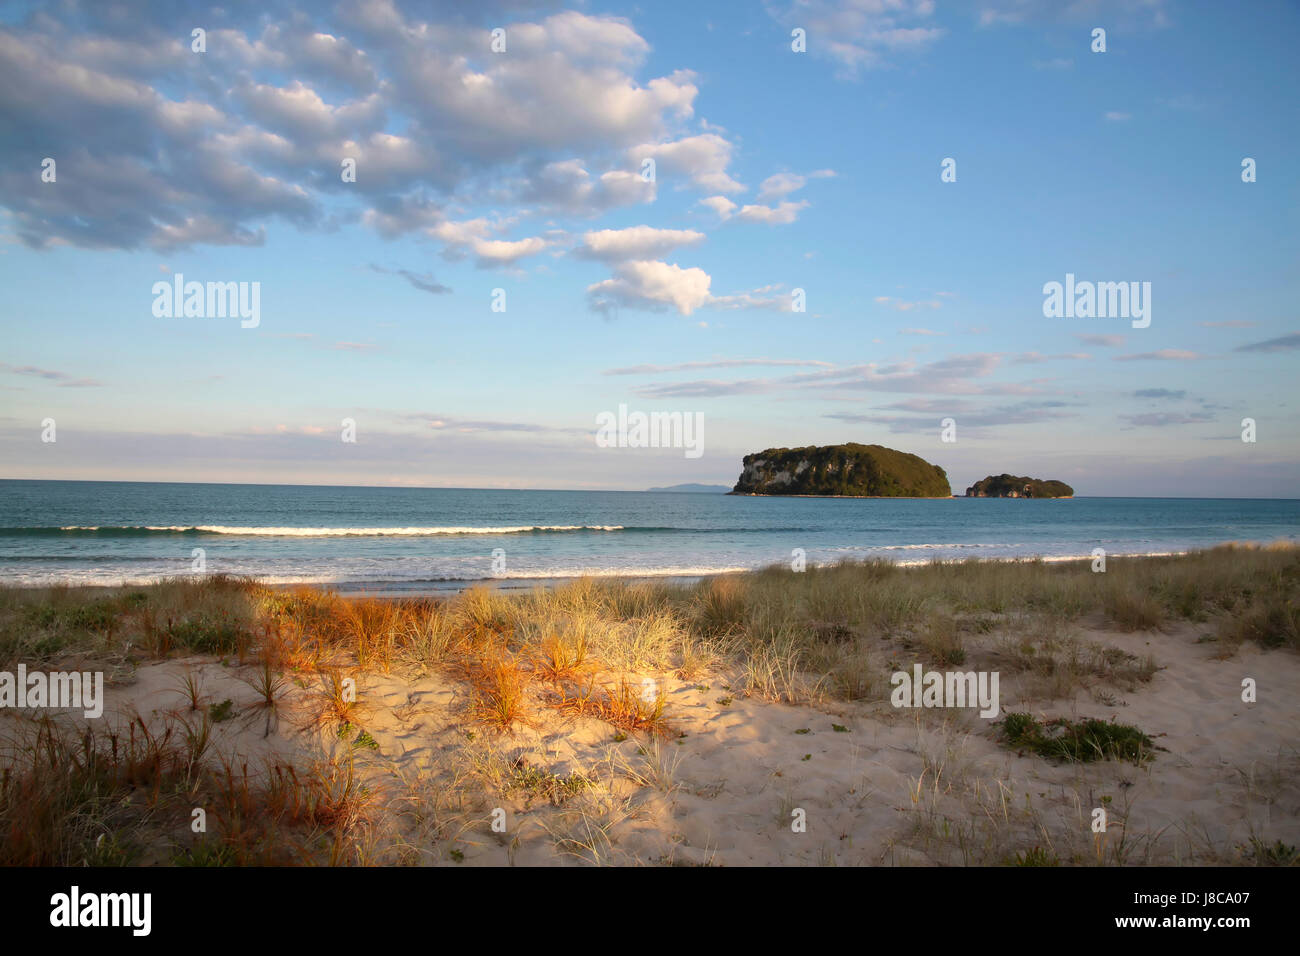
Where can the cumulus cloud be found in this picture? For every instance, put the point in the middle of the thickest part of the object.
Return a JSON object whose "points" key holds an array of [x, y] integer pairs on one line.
{"points": [[780, 185], [702, 160], [651, 285], [459, 238], [721, 205], [782, 214], [765, 297], [636, 242], [567, 186], [504, 252], [153, 153], [860, 34]]}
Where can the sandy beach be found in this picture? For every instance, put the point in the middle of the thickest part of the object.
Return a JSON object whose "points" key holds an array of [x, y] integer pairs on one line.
{"points": [[630, 724]]}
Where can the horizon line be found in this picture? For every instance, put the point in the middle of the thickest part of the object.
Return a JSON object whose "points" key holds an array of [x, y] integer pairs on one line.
{"points": [[630, 491]]}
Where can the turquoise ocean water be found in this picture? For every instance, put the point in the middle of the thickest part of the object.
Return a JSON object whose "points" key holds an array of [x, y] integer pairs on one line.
{"points": [[396, 539]]}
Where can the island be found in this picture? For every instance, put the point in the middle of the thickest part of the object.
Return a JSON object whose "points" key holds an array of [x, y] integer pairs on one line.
{"points": [[1011, 486], [842, 471]]}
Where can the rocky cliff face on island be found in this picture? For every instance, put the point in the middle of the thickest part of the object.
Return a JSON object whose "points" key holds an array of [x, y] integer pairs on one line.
{"points": [[1010, 486], [851, 470]]}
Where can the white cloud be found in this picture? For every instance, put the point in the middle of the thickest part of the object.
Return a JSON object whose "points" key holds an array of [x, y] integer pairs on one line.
{"points": [[635, 242], [782, 214], [861, 33], [702, 159], [497, 252], [653, 285], [567, 186], [720, 205], [432, 125]]}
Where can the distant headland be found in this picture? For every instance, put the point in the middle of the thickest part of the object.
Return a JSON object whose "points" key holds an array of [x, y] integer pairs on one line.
{"points": [[693, 487]]}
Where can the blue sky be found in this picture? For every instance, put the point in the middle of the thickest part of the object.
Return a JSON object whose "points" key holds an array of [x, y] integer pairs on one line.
{"points": [[774, 171]]}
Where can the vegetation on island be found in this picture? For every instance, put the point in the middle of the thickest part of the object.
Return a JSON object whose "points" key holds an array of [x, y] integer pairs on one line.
{"points": [[850, 470], [1011, 486]]}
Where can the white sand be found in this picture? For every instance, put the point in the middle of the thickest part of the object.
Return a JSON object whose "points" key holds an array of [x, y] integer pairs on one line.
{"points": [[897, 787]]}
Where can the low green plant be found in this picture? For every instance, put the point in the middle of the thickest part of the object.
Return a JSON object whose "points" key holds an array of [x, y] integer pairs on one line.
{"points": [[1083, 740]]}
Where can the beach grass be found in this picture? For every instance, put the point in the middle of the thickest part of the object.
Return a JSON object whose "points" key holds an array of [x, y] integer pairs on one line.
{"points": [[126, 795], [781, 626], [591, 650]]}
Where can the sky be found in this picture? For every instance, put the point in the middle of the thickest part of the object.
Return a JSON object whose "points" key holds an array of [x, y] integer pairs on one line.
{"points": [[801, 223]]}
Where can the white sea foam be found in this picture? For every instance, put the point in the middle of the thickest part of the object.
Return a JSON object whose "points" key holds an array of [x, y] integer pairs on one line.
{"points": [[412, 578], [411, 532]]}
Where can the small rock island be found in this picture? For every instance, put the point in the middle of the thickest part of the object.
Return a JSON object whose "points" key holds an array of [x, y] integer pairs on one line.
{"points": [[846, 471], [1011, 486]]}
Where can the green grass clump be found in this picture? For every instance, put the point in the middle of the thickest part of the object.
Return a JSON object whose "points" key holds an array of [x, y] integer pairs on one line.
{"points": [[205, 853], [97, 616], [208, 636], [536, 783], [222, 711], [1082, 741], [1276, 854], [1035, 857], [1271, 620]]}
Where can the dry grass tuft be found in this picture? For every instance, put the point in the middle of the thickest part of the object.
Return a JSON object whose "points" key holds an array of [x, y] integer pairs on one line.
{"points": [[499, 691], [625, 707]]}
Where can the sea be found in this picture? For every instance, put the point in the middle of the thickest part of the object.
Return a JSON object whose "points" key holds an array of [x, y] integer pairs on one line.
{"points": [[422, 540]]}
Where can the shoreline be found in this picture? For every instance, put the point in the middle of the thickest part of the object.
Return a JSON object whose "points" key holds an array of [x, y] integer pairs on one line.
{"points": [[415, 588], [758, 494]]}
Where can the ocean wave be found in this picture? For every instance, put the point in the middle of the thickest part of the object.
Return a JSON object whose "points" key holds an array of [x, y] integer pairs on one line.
{"points": [[126, 531], [292, 532], [361, 579], [114, 577], [944, 546]]}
